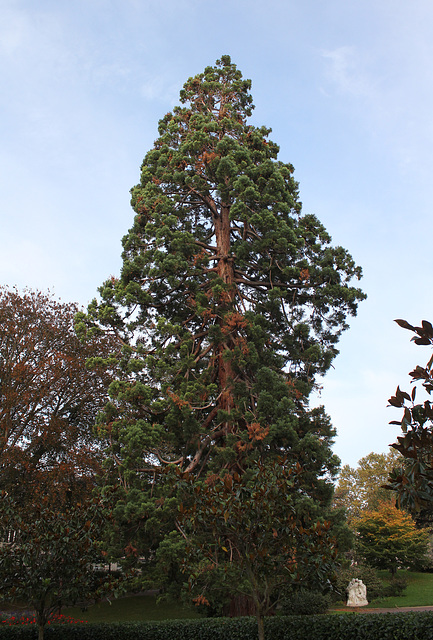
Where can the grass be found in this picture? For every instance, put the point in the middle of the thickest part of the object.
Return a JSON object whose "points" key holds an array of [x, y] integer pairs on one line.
{"points": [[132, 609], [419, 591]]}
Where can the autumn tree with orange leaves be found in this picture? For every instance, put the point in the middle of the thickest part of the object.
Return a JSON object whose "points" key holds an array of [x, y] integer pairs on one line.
{"points": [[229, 306], [387, 538], [49, 399]]}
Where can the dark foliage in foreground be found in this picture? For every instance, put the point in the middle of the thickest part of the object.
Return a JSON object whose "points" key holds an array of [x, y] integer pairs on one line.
{"points": [[404, 626]]}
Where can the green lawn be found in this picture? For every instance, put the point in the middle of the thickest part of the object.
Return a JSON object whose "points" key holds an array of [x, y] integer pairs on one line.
{"points": [[132, 609], [419, 591]]}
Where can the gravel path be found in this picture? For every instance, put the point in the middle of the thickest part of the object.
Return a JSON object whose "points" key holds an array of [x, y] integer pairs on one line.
{"points": [[393, 610]]}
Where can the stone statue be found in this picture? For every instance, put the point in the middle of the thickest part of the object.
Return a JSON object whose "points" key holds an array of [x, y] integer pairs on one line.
{"points": [[357, 593]]}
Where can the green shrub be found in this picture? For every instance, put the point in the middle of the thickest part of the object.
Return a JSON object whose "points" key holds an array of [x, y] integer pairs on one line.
{"points": [[350, 626], [396, 587], [304, 603], [368, 575]]}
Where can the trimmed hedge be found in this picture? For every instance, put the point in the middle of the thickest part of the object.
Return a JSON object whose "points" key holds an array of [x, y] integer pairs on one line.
{"points": [[350, 626]]}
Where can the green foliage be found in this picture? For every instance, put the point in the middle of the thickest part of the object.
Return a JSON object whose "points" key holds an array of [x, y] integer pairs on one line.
{"points": [[229, 306], [368, 575], [50, 561], [387, 538], [134, 608], [224, 285], [255, 534], [361, 488], [413, 480], [304, 603], [396, 587], [392, 626]]}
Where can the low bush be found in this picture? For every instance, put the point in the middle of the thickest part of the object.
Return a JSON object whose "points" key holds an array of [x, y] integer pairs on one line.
{"points": [[304, 603], [368, 575], [390, 626], [396, 586]]}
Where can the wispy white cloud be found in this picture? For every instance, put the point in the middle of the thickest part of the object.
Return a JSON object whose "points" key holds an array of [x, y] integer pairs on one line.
{"points": [[14, 30], [160, 88], [345, 72], [387, 89]]}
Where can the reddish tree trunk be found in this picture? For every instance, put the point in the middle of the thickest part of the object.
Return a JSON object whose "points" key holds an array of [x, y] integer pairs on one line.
{"points": [[226, 273], [240, 606]]}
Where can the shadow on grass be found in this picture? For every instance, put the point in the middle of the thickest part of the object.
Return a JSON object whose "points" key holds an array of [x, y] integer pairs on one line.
{"points": [[132, 609]]}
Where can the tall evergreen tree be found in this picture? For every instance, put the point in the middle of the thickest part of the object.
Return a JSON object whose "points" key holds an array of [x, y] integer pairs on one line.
{"points": [[230, 304]]}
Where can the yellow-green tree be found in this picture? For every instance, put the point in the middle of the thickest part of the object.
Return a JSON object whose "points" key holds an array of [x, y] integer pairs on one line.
{"points": [[361, 488], [387, 538]]}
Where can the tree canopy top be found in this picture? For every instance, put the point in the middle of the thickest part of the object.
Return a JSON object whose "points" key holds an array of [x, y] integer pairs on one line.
{"points": [[230, 301]]}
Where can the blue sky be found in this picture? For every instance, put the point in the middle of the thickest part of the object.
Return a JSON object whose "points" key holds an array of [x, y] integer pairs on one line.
{"points": [[347, 87]]}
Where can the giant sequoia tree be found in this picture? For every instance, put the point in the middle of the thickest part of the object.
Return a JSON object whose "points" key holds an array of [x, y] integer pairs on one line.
{"points": [[230, 304]]}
